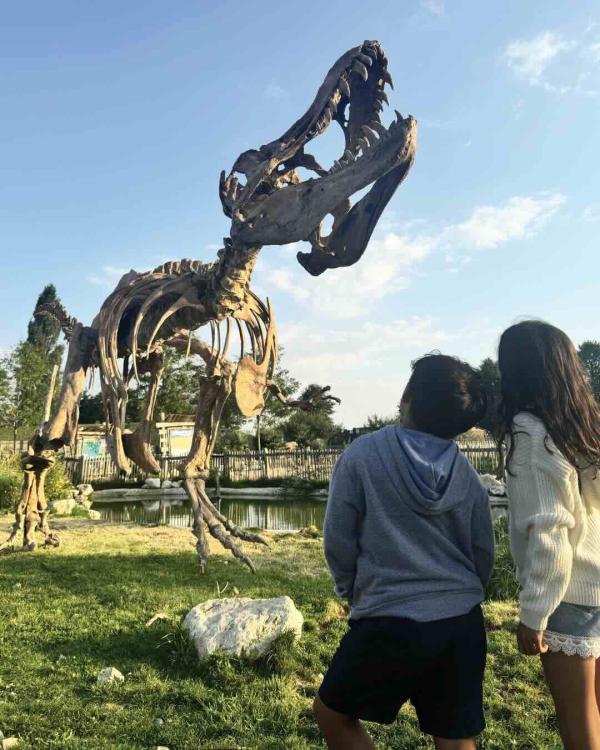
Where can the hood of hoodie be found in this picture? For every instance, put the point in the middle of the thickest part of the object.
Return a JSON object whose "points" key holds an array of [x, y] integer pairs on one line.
{"points": [[429, 472]]}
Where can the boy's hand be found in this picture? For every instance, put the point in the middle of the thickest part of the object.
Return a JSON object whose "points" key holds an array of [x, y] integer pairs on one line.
{"points": [[530, 642]]}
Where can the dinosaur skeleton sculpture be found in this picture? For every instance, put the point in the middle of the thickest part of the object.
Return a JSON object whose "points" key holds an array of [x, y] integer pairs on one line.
{"points": [[164, 307]]}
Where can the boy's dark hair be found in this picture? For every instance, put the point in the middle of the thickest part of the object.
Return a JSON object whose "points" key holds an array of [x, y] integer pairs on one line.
{"points": [[446, 396]]}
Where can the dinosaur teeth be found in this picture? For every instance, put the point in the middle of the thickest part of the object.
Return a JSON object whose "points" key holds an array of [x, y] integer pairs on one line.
{"points": [[382, 96], [359, 68], [349, 155], [365, 59], [363, 144], [380, 129], [399, 117], [369, 134], [388, 79], [343, 87]]}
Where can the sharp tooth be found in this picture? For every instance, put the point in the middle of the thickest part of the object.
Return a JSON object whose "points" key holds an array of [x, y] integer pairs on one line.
{"points": [[363, 143], [359, 68], [388, 79], [343, 87], [369, 134], [399, 117], [365, 59], [382, 96], [349, 155], [378, 106], [379, 128]]}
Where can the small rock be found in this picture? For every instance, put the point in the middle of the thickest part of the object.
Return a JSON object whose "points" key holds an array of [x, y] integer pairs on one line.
{"points": [[167, 484], [493, 486], [94, 515], [151, 483], [156, 617], [235, 591], [109, 675], [62, 507], [18, 586], [158, 723], [85, 489], [161, 747], [9, 742], [242, 625], [83, 502], [61, 658]]}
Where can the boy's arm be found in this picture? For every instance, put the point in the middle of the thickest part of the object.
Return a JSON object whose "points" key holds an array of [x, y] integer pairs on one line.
{"points": [[483, 538], [345, 507]]}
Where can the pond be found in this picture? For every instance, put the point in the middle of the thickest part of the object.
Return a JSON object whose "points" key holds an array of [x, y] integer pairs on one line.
{"points": [[275, 515]]}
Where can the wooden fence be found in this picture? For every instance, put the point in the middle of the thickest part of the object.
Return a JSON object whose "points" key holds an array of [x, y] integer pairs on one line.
{"points": [[303, 463]]}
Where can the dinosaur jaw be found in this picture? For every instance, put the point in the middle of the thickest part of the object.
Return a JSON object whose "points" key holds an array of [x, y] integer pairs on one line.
{"points": [[275, 207]]}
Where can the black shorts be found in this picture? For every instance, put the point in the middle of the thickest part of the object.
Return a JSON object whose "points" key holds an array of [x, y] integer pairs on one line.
{"points": [[382, 662]]}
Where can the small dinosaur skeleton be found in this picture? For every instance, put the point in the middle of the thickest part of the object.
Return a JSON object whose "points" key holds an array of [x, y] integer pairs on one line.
{"points": [[268, 204]]}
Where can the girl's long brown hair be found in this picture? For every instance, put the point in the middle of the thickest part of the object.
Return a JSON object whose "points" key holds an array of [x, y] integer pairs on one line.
{"points": [[543, 375]]}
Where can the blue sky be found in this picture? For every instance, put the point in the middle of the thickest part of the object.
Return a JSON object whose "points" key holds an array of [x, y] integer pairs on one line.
{"points": [[118, 117]]}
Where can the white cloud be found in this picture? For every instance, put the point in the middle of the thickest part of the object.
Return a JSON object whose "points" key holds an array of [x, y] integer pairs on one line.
{"points": [[367, 365], [490, 226], [529, 58], [437, 7], [343, 293], [591, 213], [532, 59], [274, 91], [390, 263], [108, 276], [594, 51]]}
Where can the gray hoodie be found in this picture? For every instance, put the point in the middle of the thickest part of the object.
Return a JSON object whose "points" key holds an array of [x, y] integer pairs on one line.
{"points": [[408, 530]]}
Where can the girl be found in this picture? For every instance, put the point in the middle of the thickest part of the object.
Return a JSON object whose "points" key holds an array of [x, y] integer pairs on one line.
{"points": [[551, 427]]}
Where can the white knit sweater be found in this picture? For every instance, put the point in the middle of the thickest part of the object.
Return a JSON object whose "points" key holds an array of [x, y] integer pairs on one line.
{"points": [[554, 525]]}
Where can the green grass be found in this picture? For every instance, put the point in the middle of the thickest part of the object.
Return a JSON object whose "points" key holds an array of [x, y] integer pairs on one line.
{"points": [[67, 613]]}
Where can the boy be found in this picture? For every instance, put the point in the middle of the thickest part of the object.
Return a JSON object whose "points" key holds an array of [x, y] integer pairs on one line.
{"points": [[409, 541]]}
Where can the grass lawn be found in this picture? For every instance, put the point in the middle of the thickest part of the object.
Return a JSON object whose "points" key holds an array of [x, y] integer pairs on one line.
{"points": [[67, 613]]}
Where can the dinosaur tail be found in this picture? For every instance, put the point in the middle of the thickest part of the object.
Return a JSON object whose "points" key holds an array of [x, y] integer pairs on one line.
{"points": [[57, 311]]}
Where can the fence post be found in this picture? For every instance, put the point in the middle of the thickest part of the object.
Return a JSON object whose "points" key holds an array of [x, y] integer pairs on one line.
{"points": [[267, 467]]}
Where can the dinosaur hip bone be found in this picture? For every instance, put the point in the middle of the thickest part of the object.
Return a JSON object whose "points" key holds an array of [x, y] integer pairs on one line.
{"points": [[269, 204]]}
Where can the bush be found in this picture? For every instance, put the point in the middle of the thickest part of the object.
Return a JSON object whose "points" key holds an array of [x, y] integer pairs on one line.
{"points": [[11, 479]]}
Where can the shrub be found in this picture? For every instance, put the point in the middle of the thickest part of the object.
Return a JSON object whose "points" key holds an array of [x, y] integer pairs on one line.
{"points": [[11, 478]]}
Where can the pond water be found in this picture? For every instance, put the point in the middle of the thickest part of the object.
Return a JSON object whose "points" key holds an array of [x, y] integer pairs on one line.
{"points": [[275, 515]]}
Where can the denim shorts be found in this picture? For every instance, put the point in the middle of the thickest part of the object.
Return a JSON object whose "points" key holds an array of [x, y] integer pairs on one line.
{"points": [[574, 629]]}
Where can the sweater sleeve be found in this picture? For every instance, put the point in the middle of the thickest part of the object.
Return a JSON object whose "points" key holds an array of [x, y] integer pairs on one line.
{"points": [[345, 507], [483, 538], [539, 492]]}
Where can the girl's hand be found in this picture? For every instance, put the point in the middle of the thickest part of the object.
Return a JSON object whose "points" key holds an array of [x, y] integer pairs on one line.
{"points": [[530, 642]]}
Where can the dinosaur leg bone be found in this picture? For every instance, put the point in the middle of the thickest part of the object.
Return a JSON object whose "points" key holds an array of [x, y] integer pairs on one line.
{"points": [[58, 431], [137, 444], [214, 391]]}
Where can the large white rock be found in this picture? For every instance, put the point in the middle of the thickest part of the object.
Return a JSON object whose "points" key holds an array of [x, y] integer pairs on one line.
{"points": [[151, 483], [62, 507], [85, 489], [241, 625], [109, 675]]}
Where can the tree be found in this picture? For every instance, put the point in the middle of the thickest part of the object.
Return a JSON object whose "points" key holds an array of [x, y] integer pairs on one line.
{"points": [[589, 353], [90, 408], [490, 376], [24, 385], [375, 422], [43, 331], [316, 427]]}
